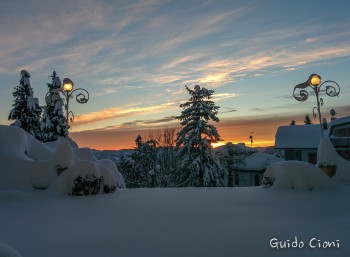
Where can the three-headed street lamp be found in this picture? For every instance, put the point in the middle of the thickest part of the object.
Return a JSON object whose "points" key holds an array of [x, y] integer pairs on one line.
{"points": [[67, 90], [314, 82]]}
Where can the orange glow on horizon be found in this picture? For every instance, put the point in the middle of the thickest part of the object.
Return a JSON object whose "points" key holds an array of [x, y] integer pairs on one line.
{"points": [[116, 140]]}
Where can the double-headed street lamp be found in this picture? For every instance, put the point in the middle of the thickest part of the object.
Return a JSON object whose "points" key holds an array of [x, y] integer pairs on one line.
{"points": [[314, 82]]}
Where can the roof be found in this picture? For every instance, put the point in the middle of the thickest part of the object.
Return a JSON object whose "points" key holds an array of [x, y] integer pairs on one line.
{"points": [[305, 136], [298, 137], [258, 161]]}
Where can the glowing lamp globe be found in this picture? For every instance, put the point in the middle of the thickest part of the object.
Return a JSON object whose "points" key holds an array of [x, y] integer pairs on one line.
{"points": [[314, 80], [67, 85]]}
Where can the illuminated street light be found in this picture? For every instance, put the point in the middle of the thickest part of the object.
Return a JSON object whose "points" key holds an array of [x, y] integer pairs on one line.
{"points": [[67, 90], [314, 82]]}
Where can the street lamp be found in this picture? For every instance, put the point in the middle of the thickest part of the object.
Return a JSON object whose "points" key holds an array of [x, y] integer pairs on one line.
{"points": [[67, 90], [314, 82]]}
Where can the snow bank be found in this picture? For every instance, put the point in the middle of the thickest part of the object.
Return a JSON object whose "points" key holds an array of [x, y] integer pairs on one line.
{"points": [[87, 154], [327, 155], [8, 251], [296, 174], [26, 163]]}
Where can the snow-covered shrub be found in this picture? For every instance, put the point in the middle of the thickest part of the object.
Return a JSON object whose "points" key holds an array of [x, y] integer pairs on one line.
{"points": [[88, 185], [84, 178], [295, 174], [267, 182]]}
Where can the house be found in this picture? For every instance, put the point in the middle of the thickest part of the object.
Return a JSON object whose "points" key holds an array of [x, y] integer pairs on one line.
{"points": [[247, 164], [300, 142], [251, 171]]}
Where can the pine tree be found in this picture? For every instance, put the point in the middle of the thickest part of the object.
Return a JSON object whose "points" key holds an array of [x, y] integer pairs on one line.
{"points": [[145, 163], [126, 167], [54, 124], [199, 166], [307, 120], [26, 110]]}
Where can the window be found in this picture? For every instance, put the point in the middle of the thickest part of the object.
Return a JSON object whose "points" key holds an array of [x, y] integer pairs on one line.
{"points": [[292, 154], [341, 132]]}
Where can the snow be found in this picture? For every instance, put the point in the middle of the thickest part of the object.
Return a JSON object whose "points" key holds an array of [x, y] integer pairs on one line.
{"points": [[327, 155], [258, 161], [296, 175], [25, 163], [172, 222], [8, 251], [202, 222], [306, 136], [298, 136]]}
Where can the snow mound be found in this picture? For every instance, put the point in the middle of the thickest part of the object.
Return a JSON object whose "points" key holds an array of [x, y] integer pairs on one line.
{"points": [[27, 164], [64, 184], [295, 175], [327, 155], [8, 251], [87, 154]]}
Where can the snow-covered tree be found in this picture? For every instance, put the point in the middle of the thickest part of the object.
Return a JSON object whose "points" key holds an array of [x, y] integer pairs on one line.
{"points": [[145, 162], [26, 110], [307, 119], [54, 124], [199, 166]]}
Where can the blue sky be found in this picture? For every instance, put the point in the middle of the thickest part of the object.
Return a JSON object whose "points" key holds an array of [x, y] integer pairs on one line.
{"points": [[135, 57]]}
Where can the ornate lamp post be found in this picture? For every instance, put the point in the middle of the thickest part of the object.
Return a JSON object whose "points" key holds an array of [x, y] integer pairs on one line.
{"points": [[67, 90], [314, 82]]}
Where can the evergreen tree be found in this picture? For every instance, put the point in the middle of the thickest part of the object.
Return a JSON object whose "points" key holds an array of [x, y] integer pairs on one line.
{"points": [[54, 124], [145, 163], [26, 110], [126, 167], [199, 166], [307, 120], [292, 123]]}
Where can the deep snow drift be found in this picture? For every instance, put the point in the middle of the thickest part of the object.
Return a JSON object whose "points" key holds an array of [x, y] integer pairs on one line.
{"points": [[25, 163], [179, 222], [305, 213]]}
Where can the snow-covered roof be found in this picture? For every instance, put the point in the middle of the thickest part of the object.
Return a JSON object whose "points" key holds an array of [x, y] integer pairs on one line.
{"points": [[339, 122], [305, 136], [298, 136], [258, 161]]}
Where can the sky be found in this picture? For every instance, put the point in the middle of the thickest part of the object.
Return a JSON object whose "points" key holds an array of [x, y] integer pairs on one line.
{"points": [[135, 58]]}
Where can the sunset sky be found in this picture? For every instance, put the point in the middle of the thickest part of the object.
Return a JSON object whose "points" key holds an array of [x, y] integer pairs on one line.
{"points": [[135, 58]]}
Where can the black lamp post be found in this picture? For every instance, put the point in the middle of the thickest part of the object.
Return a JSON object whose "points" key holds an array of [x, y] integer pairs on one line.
{"points": [[314, 82], [67, 90]]}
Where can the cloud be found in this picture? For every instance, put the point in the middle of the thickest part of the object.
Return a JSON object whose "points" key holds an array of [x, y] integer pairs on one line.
{"points": [[257, 109], [112, 113]]}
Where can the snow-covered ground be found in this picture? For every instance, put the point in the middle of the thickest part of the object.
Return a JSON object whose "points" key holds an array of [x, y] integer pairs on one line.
{"points": [[305, 213], [177, 222]]}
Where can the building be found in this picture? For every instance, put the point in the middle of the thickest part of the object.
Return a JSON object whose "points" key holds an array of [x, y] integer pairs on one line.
{"points": [[300, 142], [247, 164], [251, 171]]}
